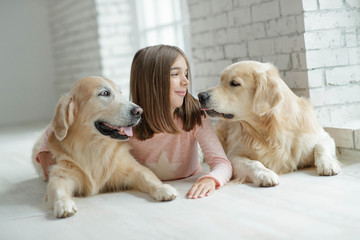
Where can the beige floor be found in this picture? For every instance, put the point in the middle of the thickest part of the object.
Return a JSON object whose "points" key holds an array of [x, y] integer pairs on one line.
{"points": [[303, 206]]}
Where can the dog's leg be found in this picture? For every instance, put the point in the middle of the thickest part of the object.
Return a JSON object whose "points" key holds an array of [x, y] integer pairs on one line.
{"points": [[63, 183], [146, 181], [59, 192], [245, 169], [325, 157]]}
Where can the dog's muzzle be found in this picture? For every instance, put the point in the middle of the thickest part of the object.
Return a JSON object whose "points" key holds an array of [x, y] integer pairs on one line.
{"points": [[204, 101], [120, 132]]}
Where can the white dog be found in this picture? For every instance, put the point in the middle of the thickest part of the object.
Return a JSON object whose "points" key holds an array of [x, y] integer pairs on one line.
{"points": [[90, 128], [265, 128]]}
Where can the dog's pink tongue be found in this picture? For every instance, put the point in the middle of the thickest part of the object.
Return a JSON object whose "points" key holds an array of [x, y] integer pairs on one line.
{"points": [[127, 130]]}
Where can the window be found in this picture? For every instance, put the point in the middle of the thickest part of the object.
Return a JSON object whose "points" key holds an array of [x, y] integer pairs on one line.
{"points": [[126, 26], [163, 22]]}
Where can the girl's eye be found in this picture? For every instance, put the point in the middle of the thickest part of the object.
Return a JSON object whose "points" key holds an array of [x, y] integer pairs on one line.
{"points": [[104, 93], [234, 83]]}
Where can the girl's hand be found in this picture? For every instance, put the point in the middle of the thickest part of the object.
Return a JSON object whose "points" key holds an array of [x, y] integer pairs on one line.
{"points": [[46, 161], [202, 188]]}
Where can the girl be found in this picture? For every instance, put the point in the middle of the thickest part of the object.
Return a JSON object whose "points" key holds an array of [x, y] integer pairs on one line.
{"points": [[172, 123]]}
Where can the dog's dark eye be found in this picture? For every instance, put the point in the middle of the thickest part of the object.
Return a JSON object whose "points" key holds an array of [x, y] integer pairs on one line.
{"points": [[234, 83], [104, 93]]}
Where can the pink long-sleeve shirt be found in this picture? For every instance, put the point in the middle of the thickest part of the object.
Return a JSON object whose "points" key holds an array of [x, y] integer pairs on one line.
{"points": [[175, 156]]}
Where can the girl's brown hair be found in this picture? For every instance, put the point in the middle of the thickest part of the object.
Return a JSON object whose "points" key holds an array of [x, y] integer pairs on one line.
{"points": [[150, 88]]}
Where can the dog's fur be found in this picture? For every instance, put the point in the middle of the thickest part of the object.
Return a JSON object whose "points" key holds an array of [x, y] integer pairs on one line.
{"points": [[264, 128], [92, 157]]}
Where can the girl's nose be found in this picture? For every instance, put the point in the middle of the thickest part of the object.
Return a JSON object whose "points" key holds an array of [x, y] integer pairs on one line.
{"points": [[185, 81]]}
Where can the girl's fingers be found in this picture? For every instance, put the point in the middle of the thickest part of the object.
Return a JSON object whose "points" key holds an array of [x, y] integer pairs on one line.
{"points": [[202, 188], [199, 191]]}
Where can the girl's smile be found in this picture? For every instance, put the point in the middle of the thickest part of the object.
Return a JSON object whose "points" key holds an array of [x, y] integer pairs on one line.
{"points": [[181, 93], [178, 82]]}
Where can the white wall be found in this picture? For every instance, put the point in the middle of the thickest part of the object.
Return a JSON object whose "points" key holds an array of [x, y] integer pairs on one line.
{"points": [[314, 43], [75, 41], [26, 70]]}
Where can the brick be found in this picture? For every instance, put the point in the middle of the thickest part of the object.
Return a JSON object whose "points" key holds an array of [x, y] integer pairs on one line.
{"points": [[354, 55], [301, 92], [287, 25], [246, 4], [214, 53], [239, 17], [271, 28], [244, 32], [203, 83], [198, 54], [333, 4], [235, 50], [351, 154], [350, 38], [200, 10], [326, 58], [200, 25], [309, 5], [298, 60], [288, 44], [296, 79], [343, 75], [222, 36], [281, 61], [291, 7], [323, 39], [221, 65], [261, 47], [353, 3], [265, 11], [335, 95], [221, 6], [323, 116], [342, 137], [357, 139], [343, 114], [331, 19], [219, 21], [315, 78], [257, 31]]}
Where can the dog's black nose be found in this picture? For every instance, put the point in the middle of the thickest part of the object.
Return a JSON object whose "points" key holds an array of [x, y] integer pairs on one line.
{"points": [[203, 97], [137, 111]]}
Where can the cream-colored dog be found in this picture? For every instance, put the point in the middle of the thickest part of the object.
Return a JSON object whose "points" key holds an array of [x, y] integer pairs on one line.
{"points": [[265, 128], [90, 126]]}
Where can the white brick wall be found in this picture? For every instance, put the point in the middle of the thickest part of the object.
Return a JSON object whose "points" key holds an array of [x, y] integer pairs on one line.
{"points": [[314, 43], [75, 41], [92, 37], [231, 31], [332, 42], [347, 141], [117, 39]]}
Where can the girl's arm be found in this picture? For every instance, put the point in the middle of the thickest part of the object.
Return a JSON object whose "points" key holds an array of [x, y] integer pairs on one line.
{"points": [[220, 166], [43, 156]]}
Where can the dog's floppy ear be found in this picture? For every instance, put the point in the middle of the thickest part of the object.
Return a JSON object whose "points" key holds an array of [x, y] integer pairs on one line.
{"points": [[64, 117], [268, 93]]}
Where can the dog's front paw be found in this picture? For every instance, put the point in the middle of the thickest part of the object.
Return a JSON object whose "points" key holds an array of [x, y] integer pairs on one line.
{"points": [[266, 178], [165, 193], [328, 168], [64, 208]]}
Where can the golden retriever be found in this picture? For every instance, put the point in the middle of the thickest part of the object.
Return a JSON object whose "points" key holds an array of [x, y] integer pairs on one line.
{"points": [[90, 128], [264, 128]]}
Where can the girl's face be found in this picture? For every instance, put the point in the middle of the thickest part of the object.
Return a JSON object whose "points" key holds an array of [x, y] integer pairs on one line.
{"points": [[178, 82]]}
